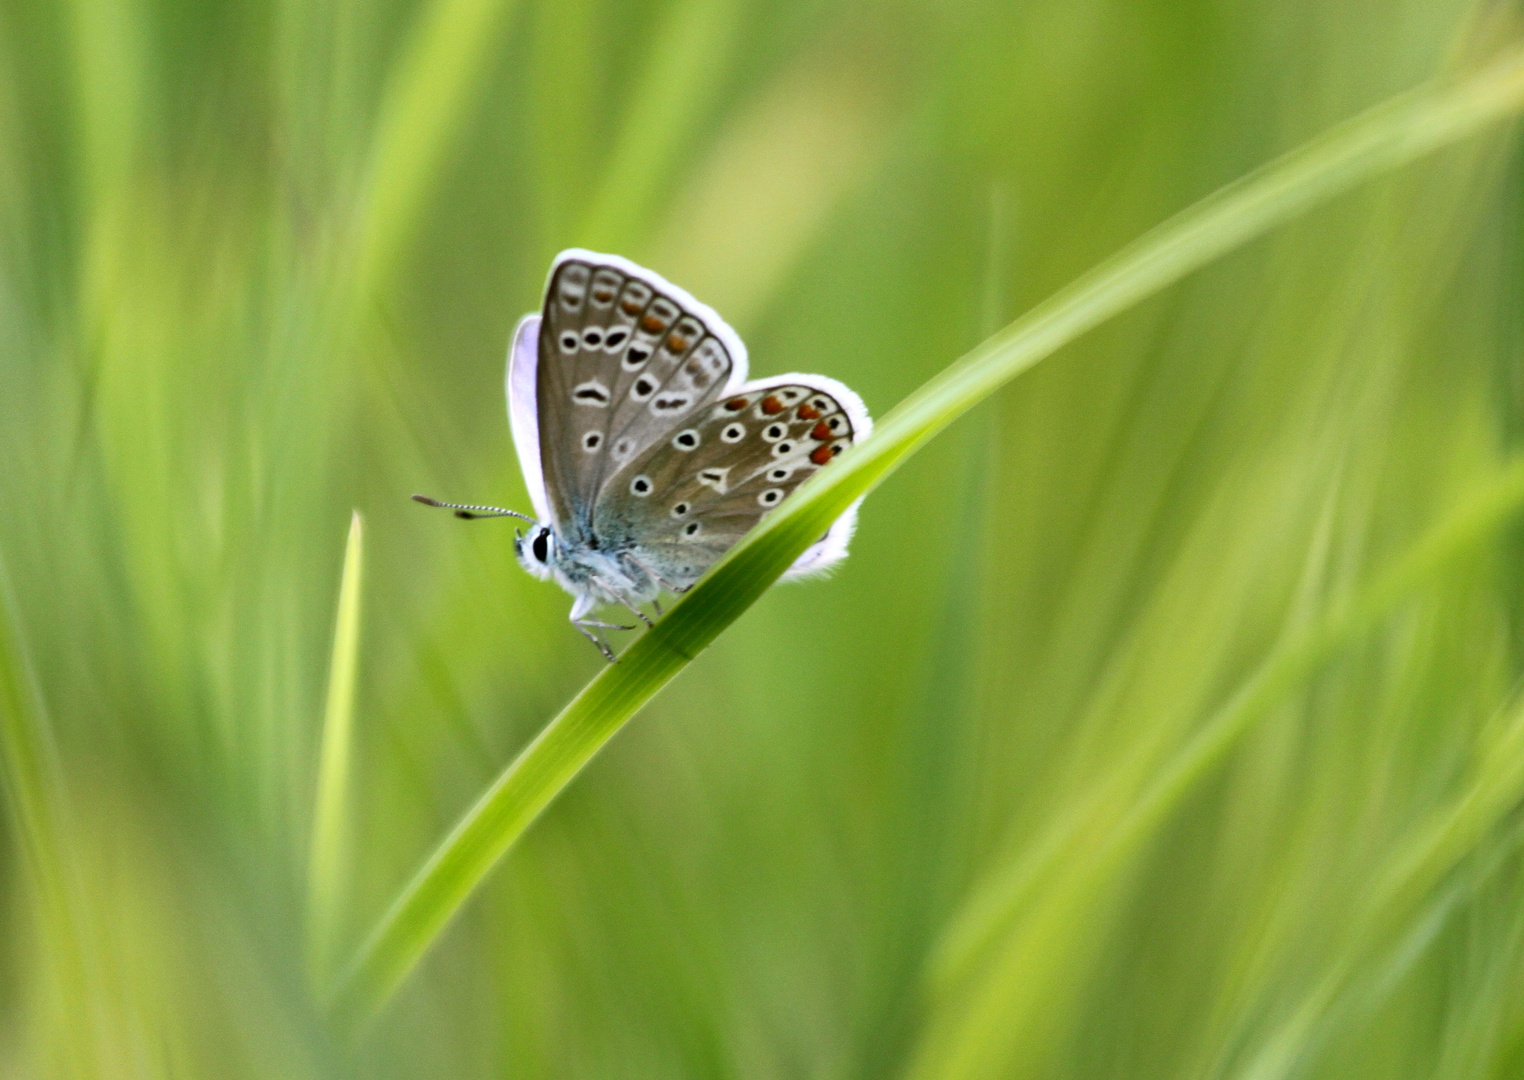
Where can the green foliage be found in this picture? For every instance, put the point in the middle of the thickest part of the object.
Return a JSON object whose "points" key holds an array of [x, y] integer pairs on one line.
{"points": [[1164, 721]]}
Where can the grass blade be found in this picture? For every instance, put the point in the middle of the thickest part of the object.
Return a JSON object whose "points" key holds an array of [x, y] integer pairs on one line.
{"points": [[678, 80], [31, 777], [328, 857], [1423, 883], [1396, 132], [427, 101]]}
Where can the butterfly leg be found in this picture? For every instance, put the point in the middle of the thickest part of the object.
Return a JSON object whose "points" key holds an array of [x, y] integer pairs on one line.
{"points": [[608, 653], [643, 616], [578, 617], [657, 605], [586, 603]]}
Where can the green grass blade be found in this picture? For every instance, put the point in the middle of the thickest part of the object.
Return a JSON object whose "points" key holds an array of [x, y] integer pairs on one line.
{"points": [[106, 66], [1378, 141], [426, 102], [328, 856], [688, 59], [1421, 884], [31, 777]]}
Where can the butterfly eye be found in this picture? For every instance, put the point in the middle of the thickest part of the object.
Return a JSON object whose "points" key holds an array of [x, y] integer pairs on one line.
{"points": [[541, 545]]}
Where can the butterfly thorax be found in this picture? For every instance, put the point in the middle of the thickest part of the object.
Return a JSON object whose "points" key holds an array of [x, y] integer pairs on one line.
{"points": [[595, 569]]}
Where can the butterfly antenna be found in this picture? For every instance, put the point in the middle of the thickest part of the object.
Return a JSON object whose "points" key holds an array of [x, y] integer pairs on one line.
{"points": [[469, 512]]}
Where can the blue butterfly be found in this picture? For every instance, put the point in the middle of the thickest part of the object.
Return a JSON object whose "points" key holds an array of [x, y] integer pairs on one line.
{"points": [[646, 452]]}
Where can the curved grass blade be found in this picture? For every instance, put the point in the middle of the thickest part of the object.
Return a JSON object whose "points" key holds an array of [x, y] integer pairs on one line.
{"points": [[1390, 135], [327, 861]]}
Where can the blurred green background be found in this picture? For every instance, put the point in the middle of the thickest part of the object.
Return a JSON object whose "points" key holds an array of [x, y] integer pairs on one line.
{"points": [[259, 261]]}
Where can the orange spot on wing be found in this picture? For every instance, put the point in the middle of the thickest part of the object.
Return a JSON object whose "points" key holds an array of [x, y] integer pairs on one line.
{"points": [[603, 296], [652, 325], [822, 432], [808, 412], [771, 405], [677, 343], [821, 454], [736, 404], [631, 307]]}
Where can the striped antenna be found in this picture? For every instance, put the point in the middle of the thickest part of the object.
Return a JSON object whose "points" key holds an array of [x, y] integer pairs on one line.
{"points": [[470, 513]]}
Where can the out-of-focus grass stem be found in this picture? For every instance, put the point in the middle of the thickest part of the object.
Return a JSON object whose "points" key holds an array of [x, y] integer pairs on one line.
{"points": [[425, 104], [1420, 885], [1394, 133], [32, 777], [328, 858], [678, 80]]}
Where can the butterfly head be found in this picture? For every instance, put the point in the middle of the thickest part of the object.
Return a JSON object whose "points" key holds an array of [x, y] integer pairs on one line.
{"points": [[536, 550]]}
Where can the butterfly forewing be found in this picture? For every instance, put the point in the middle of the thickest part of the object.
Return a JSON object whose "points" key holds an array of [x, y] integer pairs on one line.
{"points": [[688, 498], [624, 357]]}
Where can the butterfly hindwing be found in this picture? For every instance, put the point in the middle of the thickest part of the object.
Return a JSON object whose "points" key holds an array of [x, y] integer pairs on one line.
{"points": [[624, 357], [689, 497]]}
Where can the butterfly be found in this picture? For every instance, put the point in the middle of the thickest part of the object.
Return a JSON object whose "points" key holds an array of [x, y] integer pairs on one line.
{"points": [[646, 451]]}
